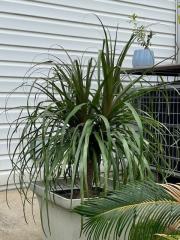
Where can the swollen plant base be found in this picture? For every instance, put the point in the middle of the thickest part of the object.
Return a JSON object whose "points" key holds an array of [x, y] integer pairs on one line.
{"points": [[64, 224]]}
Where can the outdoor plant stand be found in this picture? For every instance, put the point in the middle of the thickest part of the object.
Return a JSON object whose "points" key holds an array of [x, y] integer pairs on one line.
{"points": [[169, 114]]}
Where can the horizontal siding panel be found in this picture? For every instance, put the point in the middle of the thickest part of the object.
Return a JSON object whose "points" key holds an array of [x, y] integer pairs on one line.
{"points": [[19, 85], [93, 35], [68, 44], [18, 100], [20, 56], [157, 3], [3, 180], [119, 8], [3, 147], [53, 26], [5, 163], [10, 69], [18, 70], [9, 116], [37, 41], [5, 132], [10, 85], [58, 12]]}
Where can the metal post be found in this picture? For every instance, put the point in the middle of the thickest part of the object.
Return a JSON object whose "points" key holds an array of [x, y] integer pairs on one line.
{"points": [[178, 31]]}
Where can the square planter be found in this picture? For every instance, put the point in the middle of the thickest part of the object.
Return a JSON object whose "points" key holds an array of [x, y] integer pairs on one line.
{"points": [[63, 223]]}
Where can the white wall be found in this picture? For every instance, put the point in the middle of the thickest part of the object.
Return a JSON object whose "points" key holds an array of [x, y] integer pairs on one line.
{"points": [[28, 28]]}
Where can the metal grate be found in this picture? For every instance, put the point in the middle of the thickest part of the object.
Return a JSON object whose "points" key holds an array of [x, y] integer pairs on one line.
{"points": [[164, 106]]}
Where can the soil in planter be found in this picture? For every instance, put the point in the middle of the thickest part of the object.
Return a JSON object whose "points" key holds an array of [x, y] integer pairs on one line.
{"points": [[96, 192]]}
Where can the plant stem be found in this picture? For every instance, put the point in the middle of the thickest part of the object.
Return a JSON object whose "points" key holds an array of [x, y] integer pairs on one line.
{"points": [[90, 173]]}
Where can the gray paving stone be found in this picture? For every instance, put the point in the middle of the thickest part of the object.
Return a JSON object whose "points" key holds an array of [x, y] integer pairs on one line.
{"points": [[12, 223]]}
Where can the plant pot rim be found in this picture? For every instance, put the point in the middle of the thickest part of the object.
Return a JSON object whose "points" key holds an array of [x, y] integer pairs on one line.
{"points": [[55, 198]]}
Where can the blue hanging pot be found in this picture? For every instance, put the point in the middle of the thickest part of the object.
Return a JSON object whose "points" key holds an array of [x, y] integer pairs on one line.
{"points": [[143, 58]]}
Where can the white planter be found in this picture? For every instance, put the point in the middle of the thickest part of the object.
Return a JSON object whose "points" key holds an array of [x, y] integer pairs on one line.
{"points": [[64, 224]]}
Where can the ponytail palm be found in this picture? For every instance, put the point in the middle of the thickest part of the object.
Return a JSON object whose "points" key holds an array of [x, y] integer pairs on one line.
{"points": [[138, 211], [78, 127]]}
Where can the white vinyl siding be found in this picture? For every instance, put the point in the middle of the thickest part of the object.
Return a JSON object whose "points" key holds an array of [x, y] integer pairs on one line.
{"points": [[29, 28]]}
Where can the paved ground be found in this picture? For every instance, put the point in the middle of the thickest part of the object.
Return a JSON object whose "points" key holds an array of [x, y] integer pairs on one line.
{"points": [[12, 224]]}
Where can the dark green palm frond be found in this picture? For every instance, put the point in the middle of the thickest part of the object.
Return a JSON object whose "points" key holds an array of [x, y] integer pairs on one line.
{"points": [[137, 211]]}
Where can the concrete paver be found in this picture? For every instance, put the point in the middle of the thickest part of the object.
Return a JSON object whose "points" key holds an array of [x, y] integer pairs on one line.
{"points": [[12, 223]]}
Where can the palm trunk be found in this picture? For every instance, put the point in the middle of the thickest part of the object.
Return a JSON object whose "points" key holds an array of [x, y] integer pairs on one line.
{"points": [[90, 172]]}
